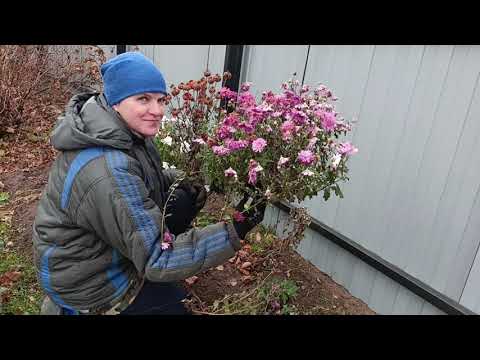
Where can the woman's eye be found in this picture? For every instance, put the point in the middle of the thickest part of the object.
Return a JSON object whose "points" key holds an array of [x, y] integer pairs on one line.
{"points": [[142, 99]]}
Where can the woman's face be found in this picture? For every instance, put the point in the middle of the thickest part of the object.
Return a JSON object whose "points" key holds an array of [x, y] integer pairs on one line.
{"points": [[142, 112]]}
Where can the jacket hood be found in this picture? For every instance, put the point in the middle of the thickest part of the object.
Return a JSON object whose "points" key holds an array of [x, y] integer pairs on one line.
{"points": [[89, 121]]}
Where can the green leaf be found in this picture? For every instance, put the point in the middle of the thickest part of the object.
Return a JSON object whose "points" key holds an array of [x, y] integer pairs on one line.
{"points": [[4, 196], [326, 194]]}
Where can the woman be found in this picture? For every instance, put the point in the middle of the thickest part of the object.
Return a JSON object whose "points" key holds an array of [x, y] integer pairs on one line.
{"points": [[96, 236]]}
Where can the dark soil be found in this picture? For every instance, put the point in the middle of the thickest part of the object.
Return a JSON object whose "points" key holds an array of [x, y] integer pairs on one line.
{"points": [[317, 293]]}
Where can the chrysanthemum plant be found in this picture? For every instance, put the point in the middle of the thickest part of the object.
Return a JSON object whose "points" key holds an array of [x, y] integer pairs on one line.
{"points": [[284, 147]]}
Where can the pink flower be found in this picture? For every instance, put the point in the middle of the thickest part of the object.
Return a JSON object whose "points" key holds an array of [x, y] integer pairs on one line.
{"points": [[282, 161], [328, 120], [258, 145], [313, 131], [238, 216], [247, 127], [231, 120], [225, 131], [287, 129], [306, 157], [246, 100], [226, 93], [347, 149], [231, 173], [299, 117], [167, 237], [165, 245], [220, 150]]}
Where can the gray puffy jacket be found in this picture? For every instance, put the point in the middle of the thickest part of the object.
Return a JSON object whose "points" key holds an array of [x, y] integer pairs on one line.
{"points": [[97, 228]]}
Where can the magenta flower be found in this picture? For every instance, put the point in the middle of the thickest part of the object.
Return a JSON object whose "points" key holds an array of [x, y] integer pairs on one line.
{"points": [[299, 117], [258, 145], [235, 145], [220, 150], [247, 127], [167, 237], [238, 216], [246, 100], [347, 149], [306, 157], [231, 120], [225, 131], [226, 93]]}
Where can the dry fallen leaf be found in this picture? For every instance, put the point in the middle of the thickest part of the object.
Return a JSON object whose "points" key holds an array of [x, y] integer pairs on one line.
{"points": [[242, 253], [220, 268], [246, 265], [258, 237], [231, 260], [233, 282], [191, 280], [244, 272], [10, 130]]}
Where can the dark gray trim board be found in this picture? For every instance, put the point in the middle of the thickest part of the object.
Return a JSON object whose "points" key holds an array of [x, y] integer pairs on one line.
{"points": [[416, 286]]}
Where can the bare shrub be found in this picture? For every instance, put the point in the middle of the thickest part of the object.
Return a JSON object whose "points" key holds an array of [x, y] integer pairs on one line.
{"points": [[37, 80]]}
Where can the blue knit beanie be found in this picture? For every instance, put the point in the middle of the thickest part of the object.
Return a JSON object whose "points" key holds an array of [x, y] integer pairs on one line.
{"points": [[129, 74]]}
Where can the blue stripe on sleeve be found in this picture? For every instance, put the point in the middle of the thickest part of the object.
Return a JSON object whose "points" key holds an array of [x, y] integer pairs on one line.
{"points": [[187, 256], [82, 159], [118, 163]]}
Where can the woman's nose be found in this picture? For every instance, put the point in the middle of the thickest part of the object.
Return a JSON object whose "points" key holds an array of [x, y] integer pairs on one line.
{"points": [[157, 109]]}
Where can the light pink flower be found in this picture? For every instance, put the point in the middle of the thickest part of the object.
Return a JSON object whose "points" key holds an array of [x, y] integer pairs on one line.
{"points": [[347, 149], [306, 157], [258, 145], [311, 143], [307, 173], [245, 86], [231, 173], [220, 150], [282, 161], [165, 245], [253, 168], [287, 128], [328, 120], [199, 141]]}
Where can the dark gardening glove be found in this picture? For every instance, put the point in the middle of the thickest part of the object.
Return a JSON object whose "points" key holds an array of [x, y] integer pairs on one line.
{"points": [[196, 191], [180, 212], [250, 218]]}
